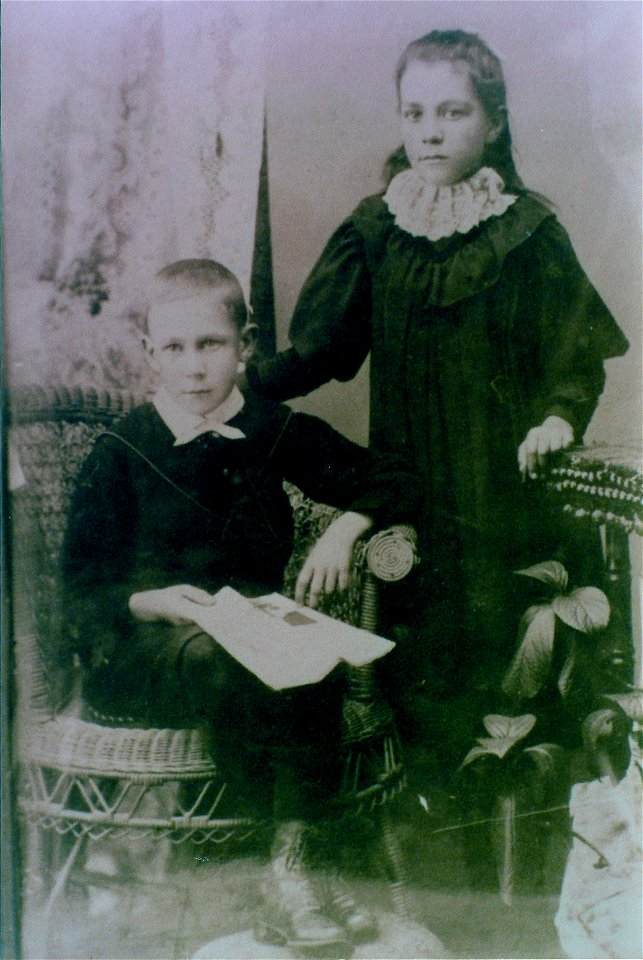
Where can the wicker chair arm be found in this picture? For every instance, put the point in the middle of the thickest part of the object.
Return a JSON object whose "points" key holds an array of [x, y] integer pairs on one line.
{"points": [[391, 554], [388, 556]]}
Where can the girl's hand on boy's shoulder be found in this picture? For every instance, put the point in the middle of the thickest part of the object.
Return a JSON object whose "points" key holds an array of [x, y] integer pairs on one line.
{"points": [[552, 435], [328, 565], [168, 603]]}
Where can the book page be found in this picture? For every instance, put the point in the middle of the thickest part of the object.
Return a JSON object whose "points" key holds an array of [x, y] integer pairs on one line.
{"points": [[282, 643]]}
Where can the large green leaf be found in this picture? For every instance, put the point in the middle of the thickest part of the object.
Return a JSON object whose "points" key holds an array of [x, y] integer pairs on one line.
{"points": [[630, 703], [531, 663], [474, 754], [550, 571], [545, 756], [586, 609], [515, 728], [498, 746], [489, 747], [565, 675], [505, 731]]}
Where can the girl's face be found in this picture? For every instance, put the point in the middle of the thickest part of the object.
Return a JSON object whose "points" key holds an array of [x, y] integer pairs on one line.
{"points": [[444, 126]]}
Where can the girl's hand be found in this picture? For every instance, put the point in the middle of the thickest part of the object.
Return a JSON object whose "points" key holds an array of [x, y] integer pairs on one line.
{"points": [[328, 564], [552, 435], [168, 604]]}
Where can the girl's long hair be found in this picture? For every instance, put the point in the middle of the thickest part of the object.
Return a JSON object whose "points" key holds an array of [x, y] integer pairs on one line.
{"points": [[485, 71]]}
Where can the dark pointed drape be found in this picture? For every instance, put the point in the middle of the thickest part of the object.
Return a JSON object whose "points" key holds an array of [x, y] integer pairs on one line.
{"points": [[261, 285]]}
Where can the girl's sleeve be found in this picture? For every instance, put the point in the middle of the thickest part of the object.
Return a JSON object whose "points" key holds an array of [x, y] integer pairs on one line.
{"points": [[331, 469], [577, 333], [330, 328]]}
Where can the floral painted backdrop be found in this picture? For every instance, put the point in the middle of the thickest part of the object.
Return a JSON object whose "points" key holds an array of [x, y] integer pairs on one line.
{"points": [[133, 135]]}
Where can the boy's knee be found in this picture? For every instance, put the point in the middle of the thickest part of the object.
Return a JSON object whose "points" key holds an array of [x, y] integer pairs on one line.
{"points": [[200, 662]]}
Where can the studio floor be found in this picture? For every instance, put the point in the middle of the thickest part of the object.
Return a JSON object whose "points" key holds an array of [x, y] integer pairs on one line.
{"points": [[200, 902]]}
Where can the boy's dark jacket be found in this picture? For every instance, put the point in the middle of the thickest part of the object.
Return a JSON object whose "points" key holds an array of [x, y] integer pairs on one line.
{"points": [[147, 514]]}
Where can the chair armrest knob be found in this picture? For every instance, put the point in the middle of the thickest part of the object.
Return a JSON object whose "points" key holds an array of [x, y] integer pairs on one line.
{"points": [[391, 554]]}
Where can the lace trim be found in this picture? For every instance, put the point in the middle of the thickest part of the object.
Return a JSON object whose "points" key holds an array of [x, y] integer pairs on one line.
{"points": [[424, 210]]}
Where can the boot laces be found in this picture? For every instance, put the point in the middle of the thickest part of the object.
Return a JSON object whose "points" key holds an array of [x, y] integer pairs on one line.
{"points": [[302, 893], [339, 894], [295, 854]]}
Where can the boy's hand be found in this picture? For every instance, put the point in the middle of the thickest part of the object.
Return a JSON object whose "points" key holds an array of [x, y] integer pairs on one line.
{"points": [[168, 604], [328, 564], [552, 435]]}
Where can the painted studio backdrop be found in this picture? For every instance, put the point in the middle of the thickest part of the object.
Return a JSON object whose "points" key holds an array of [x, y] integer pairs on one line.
{"points": [[133, 138]]}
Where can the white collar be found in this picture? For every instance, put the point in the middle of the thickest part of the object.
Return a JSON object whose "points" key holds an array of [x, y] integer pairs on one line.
{"points": [[424, 210], [186, 426]]}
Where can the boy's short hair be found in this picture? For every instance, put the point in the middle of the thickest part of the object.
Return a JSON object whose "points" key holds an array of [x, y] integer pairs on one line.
{"points": [[191, 276]]}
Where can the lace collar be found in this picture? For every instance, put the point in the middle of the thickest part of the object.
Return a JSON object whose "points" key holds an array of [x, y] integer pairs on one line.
{"points": [[424, 210]]}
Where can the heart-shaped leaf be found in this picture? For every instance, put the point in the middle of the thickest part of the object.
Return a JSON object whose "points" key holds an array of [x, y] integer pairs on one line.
{"points": [[545, 756], [498, 746], [515, 728], [474, 754], [550, 571], [530, 665], [586, 609], [565, 674], [630, 703], [489, 747]]}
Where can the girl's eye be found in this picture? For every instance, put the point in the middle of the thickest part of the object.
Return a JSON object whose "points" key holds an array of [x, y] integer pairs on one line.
{"points": [[172, 347], [454, 113], [412, 114]]}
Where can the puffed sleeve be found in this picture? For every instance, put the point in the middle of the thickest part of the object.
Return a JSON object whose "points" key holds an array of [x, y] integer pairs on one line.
{"points": [[330, 328], [576, 334], [331, 469]]}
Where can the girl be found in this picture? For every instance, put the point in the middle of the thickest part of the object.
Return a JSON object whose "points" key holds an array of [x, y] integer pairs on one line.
{"points": [[487, 344]]}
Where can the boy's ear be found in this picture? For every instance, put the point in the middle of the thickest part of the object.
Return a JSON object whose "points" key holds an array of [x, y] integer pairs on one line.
{"points": [[248, 338], [149, 351]]}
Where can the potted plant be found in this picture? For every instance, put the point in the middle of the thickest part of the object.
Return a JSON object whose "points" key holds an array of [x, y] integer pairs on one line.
{"points": [[557, 673]]}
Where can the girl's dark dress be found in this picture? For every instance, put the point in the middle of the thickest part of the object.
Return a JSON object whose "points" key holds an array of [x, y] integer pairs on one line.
{"points": [[474, 339]]}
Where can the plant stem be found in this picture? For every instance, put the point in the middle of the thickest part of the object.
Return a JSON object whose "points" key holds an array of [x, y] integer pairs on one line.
{"points": [[507, 806]]}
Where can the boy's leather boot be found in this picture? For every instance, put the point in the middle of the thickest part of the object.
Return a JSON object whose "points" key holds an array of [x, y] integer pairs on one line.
{"points": [[293, 911], [340, 904]]}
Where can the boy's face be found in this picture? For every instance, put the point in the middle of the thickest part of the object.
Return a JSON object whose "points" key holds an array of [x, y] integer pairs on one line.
{"points": [[195, 347]]}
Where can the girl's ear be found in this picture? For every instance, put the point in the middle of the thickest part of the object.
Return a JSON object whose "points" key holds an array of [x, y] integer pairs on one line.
{"points": [[497, 124], [248, 340]]}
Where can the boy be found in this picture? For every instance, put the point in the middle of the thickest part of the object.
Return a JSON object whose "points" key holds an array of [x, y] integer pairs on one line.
{"points": [[184, 497]]}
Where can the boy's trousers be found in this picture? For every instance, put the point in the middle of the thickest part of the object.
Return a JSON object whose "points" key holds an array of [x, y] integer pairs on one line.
{"points": [[278, 750]]}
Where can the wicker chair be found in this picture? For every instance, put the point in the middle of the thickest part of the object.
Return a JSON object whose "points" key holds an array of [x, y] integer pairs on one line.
{"points": [[81, 781]]}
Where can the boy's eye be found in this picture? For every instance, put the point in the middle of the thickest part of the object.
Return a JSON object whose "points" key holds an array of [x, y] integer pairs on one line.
{"points": [[172, 347], [412, 113], [210, 343]]}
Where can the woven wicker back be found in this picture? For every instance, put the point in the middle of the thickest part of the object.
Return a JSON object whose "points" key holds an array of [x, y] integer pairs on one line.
{"points": [[52, 431]]}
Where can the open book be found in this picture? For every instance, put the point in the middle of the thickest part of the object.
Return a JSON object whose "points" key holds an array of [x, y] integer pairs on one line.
{"points": [[282, 643]]}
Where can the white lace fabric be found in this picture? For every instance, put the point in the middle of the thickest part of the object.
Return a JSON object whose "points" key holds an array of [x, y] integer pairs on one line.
{"points": [[424, 210]]}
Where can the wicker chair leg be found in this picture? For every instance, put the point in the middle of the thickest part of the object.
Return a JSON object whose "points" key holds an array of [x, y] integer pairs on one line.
{"points": [[36, 844], [396, 865], [62, 876]]}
